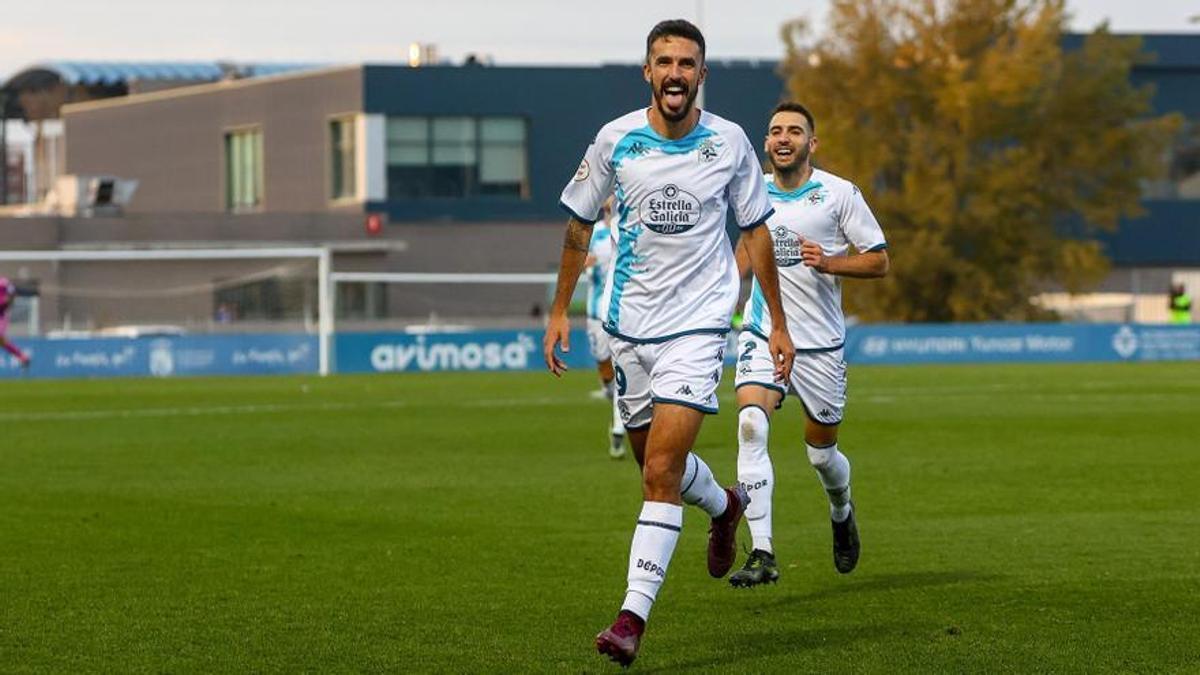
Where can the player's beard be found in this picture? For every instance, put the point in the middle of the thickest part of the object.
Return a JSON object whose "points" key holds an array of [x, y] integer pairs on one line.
{"points": [[689, 100], [799, 159]]}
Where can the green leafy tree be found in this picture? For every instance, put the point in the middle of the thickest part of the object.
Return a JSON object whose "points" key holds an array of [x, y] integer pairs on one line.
{"points": [[977, 140]]}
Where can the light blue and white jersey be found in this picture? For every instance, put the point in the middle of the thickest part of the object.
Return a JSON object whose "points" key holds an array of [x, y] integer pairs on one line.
{"points": [[832, 212], [674, 272], [600, 248]]}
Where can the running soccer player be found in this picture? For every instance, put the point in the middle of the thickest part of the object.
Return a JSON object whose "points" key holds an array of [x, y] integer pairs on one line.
{"points": [[599, 256], [8, 293], [672, 289], [818, 216]]}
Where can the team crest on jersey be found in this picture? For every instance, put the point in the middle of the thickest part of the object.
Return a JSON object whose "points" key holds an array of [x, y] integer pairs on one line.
{"points": [[816, 197], [670, 210], [583, 171], [708, 150], [787, 246]]}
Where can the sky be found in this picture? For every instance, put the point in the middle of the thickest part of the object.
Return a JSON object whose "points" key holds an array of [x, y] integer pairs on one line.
{"points": [[510, 31]]}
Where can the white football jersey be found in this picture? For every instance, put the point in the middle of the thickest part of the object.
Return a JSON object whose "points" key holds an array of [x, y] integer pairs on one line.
{"points": [[832, 212], [674, 272], [601, 248]]}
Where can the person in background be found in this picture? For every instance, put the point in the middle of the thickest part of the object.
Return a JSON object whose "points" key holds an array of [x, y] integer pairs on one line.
{"points": [[1180, 305], [8, 293]]}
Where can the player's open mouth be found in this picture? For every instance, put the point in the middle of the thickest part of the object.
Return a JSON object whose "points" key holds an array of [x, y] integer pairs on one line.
{"points": [[674, 96], [784, 153]]}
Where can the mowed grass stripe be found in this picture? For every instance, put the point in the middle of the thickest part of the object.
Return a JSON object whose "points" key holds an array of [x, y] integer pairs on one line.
{"points": [[1037, 518]]}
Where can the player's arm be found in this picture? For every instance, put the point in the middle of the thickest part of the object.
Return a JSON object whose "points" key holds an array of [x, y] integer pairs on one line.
{"points": [[761, 253], [865, 265], [742, 256], [574, 257]]}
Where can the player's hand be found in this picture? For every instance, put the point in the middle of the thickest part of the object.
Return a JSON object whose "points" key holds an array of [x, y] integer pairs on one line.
{"points": [[812, 255], [783, 354], [558, 332]]}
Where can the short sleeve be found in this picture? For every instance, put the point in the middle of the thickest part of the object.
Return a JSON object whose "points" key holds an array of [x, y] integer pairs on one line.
{"points": [[859, 224], [592, 183], [747, 191]]}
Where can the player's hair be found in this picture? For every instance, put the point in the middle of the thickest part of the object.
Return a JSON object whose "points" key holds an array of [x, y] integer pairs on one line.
{"points": [[792, 106], [675, 28]]}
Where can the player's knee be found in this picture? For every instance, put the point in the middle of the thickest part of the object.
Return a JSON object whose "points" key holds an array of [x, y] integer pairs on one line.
{"points": [[660, 477], [753, 425], [820, 456]]}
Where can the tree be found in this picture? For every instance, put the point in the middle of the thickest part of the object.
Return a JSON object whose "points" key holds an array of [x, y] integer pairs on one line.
{"points": [[988, 152]]}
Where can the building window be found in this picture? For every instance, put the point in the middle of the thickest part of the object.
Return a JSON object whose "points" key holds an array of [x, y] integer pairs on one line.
{"points": [[343, 161], [456, 157], [1182, 180], [243, 170]]}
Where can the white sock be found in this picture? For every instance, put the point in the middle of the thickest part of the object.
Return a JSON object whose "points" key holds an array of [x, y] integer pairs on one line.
{"points": [[834, 471], [609, 388], [618, 426], [654, 541], [756, 473], [700, 488]]}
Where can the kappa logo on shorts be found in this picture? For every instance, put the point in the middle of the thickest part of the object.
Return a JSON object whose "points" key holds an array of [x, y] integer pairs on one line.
{"points": [[716, 377], [744, 370], [825, 414], [623, 408], [685, 390]]}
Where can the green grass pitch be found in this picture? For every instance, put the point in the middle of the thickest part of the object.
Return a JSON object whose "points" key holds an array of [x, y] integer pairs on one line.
{"points": [[1014, 519]]}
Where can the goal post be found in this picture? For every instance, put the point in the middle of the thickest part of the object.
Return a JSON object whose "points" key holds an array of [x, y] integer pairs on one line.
{"points": [[135, 282]]}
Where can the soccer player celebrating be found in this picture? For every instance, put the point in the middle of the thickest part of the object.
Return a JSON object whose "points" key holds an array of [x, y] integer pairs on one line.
{"points": [[599, 256], [8, 293], [672, 289], [818, 216]]}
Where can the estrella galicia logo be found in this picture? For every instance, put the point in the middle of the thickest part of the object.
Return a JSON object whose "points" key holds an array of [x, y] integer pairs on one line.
{"points": [[670, 210], [787, 246], [622, 383]]}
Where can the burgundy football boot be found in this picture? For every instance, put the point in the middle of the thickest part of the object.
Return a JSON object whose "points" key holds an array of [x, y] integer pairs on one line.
{"points": [[722, 535]]}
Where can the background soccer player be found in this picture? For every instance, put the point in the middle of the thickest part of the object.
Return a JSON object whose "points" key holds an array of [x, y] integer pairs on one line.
{"points": [[8, 293], [818, 216], [674, 287], [600, 251]]}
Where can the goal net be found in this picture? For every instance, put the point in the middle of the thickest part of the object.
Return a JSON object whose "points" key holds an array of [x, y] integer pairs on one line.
{"points": [[76, 305]]}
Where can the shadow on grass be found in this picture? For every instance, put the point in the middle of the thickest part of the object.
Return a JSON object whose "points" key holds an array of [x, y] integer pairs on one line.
{"points": [[734, 647], [887, 582], [758, 645]]}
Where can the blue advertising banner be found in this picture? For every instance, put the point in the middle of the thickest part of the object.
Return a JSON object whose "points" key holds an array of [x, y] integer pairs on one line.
{"points": [[429, 352], [882, 344], [1021, 342], [504, 350], [166, 356]]}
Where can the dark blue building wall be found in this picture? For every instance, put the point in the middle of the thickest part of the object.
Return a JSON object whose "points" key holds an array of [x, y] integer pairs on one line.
{"points": [[565, 108]]}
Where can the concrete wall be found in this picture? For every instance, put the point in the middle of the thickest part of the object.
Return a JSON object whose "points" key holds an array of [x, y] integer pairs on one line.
{"points": [[173, 141]]}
